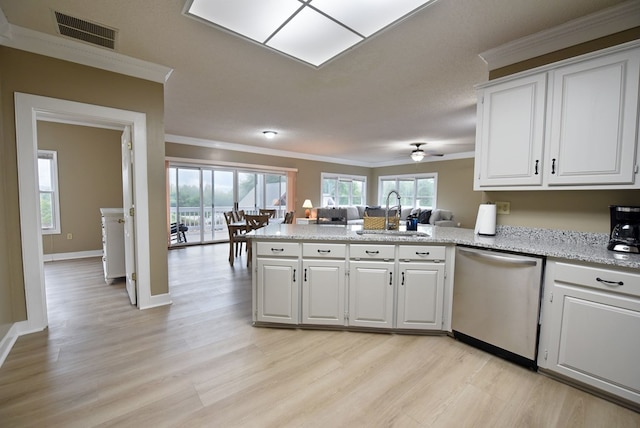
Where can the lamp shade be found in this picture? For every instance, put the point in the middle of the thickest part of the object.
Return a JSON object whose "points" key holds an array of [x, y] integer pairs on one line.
{"points": [[308, 205]]}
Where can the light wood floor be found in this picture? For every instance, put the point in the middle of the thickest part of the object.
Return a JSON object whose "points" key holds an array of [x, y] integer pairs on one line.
{"points": [[199, 362]]}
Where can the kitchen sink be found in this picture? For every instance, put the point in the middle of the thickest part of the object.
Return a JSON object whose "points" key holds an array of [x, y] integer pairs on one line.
{"points": [[392, 232]]}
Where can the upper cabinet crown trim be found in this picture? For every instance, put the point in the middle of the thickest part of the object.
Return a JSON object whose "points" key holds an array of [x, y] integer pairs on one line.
{"points": [[600, 24]]}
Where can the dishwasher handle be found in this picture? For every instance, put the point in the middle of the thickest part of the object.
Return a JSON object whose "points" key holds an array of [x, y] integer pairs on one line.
{"points": [[498, 258]]}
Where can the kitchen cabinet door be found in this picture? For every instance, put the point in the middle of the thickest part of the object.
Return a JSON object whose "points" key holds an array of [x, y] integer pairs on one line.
{"points": [[420, 296], [594, 121], [277, 290], [371, 289], [323, 292], [591, 334], [510, 133]]}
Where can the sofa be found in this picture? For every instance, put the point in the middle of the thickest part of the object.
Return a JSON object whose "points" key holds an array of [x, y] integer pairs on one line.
{"points": [[437, 217]]}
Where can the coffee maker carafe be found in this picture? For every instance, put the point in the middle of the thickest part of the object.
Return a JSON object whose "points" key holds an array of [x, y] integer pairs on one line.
{"points": [[625, 229]]}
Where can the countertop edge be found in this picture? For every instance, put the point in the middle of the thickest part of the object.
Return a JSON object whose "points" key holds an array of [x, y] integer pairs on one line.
{"points": [[566, 245]]}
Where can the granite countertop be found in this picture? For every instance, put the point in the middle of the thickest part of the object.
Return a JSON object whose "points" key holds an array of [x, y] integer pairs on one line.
{"points": [[577, 246]]}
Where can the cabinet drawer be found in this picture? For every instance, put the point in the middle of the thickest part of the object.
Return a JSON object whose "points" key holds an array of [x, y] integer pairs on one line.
{"points": [[367, 251], [283, 249], [328, 251], [420, 252], [618, 281]]}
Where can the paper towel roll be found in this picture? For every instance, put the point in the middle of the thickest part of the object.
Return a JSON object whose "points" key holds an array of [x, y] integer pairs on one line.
{"points": [[486, 220]]}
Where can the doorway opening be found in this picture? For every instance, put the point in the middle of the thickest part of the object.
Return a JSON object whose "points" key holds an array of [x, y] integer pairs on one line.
{"points": [[28, 110]]}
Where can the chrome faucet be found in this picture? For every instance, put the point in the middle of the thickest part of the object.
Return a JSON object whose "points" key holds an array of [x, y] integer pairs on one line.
{"points": [[386, 212]]}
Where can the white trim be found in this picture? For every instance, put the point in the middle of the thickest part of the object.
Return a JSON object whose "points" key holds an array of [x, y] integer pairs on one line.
{"points": [[414, 177], [28, 110], [7, 342], [633, 44], [175, 161], [157, 300], [221, 145], [53, 257], [600, 24], [32, 41]]}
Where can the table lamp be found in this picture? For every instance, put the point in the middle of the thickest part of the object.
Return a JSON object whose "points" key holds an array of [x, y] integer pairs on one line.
{"points": [[308, 205]]}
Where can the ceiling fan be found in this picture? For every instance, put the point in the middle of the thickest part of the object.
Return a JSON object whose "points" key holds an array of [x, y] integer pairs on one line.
{"points": [[418, 154]]}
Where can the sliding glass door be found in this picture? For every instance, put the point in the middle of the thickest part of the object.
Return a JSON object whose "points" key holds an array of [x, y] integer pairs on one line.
{"points": [[199, 196]]}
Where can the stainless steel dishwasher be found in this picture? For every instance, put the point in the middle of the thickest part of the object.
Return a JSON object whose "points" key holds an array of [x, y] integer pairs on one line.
{"points": [[496, 302]]}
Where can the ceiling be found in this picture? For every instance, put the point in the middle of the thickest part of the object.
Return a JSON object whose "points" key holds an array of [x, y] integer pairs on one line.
{"points": [[411, 83]]}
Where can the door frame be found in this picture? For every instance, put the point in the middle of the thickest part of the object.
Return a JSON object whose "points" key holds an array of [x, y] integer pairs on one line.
{"points": [[28, 110]]}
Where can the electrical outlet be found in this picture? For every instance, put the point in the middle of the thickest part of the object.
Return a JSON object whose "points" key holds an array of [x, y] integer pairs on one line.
{"points": [[503, 207], [69, 235]]}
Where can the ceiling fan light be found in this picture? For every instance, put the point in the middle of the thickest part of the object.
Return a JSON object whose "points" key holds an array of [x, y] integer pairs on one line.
{"points": [[417, 155], [269, 135]]}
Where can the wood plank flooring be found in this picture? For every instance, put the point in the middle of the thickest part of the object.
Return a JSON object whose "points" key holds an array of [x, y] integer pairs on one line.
{"points": [[200, 363]]}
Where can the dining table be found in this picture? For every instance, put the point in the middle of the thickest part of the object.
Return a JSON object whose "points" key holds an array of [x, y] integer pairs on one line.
{"points": [[237, 227]]}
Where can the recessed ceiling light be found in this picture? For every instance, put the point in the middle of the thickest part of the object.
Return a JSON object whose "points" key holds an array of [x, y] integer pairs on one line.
{"points": [[311, 31], [269, 135]]}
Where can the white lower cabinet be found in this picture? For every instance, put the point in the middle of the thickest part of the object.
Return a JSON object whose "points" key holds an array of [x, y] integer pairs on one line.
{"points": [[277, 283], [323, 284], [113, 260], [420, 296], [371, 289], [590, 327]]}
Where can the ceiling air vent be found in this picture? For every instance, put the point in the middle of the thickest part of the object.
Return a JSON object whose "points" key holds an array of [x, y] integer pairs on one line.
{"points": [[86, 31]]}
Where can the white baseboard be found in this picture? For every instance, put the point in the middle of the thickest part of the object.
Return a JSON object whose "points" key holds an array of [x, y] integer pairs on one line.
{"points": [[70, 256]]}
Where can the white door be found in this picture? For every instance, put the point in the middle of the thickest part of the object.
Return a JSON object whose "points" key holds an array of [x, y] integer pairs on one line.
{"points": [[594, 121], [323, 284], [128, 207], [277, 290], [511, 133], [371, 294], [420, 296]]}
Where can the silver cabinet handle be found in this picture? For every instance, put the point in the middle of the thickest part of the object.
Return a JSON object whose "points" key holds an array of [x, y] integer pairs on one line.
{"points": [[499, 258]]}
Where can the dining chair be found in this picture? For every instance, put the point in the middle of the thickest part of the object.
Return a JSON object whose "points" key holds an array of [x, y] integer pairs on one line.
{"points": [[288, 217], [238, 215], [270, 213], [254, 222], [236, 236]]}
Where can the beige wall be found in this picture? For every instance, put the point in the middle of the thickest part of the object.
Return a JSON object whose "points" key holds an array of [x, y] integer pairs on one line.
{"points": [[580, 210], [89, 178], [455, 186], [36, 74]]}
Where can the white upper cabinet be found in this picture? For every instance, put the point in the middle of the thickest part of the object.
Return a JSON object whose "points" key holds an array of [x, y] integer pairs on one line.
{"points": [[511, 123], [594, 116], [569, 125]]}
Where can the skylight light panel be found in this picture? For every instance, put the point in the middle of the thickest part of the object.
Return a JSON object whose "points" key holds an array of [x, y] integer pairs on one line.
{"points": [[313, 38], [312, 31], [367, 16], [255, 19]]}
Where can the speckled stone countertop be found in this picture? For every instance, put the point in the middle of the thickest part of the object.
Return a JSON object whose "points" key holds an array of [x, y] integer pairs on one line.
{"points": [[577, 246]]}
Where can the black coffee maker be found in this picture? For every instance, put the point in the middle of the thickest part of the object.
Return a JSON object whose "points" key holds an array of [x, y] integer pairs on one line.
{"points": [[625, 229]]}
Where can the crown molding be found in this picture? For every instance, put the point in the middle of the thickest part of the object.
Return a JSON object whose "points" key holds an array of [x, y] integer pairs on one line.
{"points": [[600, 24], [221, 145], [80, 53]]}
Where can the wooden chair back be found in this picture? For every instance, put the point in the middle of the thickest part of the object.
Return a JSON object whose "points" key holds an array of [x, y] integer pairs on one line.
{"points": [[288, 217], [238, 215], [229, 217], [256, 221], [270, 213]]}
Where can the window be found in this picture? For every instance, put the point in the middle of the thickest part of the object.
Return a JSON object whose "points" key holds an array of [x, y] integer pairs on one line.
{"points": [[417, 191], [48, 185], [340, 190]]}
